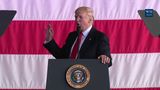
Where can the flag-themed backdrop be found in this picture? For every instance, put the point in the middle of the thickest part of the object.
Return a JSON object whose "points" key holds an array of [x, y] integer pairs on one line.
{"points": [[135, 52]]}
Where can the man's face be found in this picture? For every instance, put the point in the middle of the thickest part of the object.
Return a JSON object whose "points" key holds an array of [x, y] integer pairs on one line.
{"points": [[83, 20]]}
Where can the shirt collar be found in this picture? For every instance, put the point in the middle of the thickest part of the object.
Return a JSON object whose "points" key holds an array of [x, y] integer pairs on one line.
{"points": [[85, 33]]}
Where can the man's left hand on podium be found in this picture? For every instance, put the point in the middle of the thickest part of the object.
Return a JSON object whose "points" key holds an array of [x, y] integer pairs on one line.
{"points": [[104, 59]]}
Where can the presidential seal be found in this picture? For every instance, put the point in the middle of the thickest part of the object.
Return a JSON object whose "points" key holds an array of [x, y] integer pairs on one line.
{"points": [[78, 76]]}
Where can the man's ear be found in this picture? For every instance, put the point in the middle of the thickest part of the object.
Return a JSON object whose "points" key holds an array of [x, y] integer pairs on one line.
{"points": [[90, 20]]}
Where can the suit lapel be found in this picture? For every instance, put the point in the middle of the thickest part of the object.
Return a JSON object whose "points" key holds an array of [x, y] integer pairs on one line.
{"points": [[71, 41], [73, 38], [87, 41]]}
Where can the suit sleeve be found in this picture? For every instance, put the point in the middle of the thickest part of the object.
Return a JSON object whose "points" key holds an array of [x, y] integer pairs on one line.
{"points": [[104, 49], [56, 51], [53, 48]]}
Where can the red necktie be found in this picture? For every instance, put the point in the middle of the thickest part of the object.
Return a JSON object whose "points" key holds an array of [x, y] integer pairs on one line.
{"points": [[76, 47]]}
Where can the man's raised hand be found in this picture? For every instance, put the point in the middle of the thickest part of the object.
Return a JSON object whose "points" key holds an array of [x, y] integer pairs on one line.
{"points": [[49, 33]]}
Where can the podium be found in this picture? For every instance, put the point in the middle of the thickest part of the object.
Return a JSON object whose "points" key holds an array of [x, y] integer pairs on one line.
{"points": [[6, 17], [151, 20], [59, 70]]}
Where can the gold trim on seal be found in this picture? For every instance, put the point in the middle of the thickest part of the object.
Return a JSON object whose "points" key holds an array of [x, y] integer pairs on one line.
{"points": [[78, 76]]}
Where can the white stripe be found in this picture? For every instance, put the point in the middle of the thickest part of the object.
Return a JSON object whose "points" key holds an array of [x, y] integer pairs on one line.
{"points": [[135, 70], [23, 71], [127, 71], [64, 9]]}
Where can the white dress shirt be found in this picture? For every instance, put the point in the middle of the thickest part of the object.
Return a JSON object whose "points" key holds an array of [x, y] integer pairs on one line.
{"points": [[84, 35]]}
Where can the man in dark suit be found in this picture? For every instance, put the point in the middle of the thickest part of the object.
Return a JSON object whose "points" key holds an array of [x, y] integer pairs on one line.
{"points": [[85, 43]]}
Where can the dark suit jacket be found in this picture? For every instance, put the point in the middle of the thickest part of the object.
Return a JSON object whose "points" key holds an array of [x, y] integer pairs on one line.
{"points": [[95, 44]]}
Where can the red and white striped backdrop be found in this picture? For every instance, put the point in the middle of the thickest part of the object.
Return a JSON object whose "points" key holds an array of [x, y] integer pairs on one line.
{"points": [[135, 52]]}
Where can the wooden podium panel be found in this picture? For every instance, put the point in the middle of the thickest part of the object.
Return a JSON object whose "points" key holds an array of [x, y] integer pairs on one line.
{"points": [[57, 68]]}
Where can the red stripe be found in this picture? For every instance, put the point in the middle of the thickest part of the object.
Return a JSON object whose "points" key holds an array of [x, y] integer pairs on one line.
{"points": [[126, 36], [136, 88], [22, 89], [111, 89]]}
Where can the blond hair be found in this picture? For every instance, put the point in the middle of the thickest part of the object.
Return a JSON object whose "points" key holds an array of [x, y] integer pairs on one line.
{"points": [[87, 10]]}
